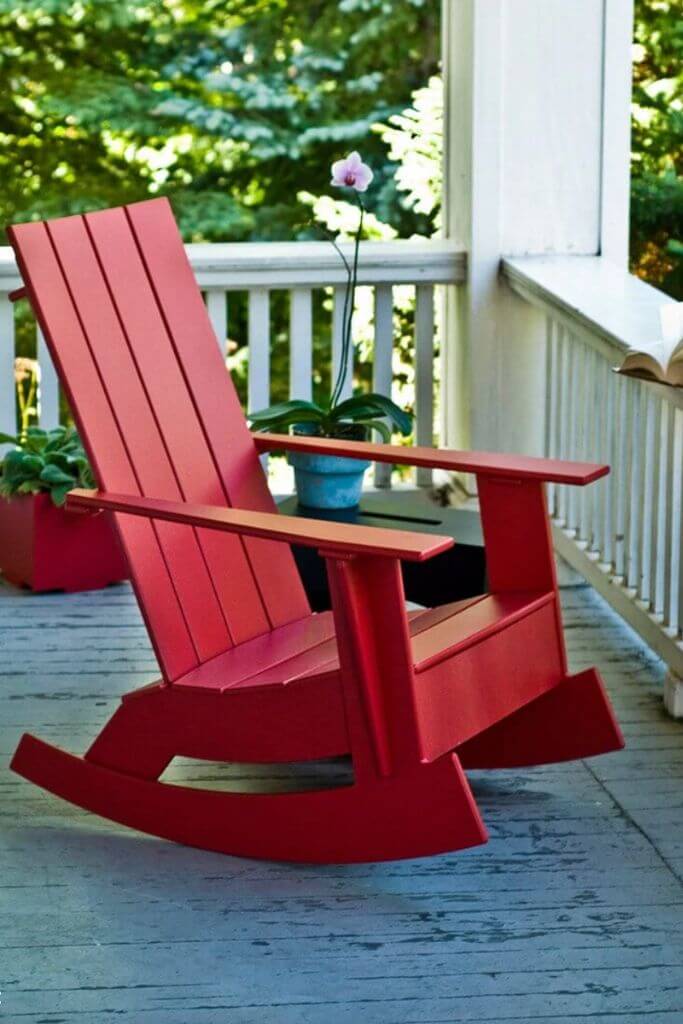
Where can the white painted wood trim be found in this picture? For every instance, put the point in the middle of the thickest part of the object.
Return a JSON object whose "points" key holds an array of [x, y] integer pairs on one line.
{"points": [[301, 344], [603, 305], [673, 695], [259, 349], [243, 265], [217, 308], [424, 374], [337, 321], [48, 391], [648, 626], [615, 172], [8, 405], [382, 370]]}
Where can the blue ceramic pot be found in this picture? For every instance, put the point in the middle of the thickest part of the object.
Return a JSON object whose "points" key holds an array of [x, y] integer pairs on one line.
{"points": [[327, 481]]}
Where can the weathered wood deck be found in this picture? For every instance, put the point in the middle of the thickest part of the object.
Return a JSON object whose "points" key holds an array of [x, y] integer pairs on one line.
{"points": [[573, 912]]}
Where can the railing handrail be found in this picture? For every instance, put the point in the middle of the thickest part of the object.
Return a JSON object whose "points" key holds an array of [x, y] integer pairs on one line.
{"points": [[235, 266]]}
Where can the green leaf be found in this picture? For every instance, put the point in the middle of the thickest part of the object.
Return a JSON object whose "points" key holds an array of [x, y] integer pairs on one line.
{"points": [[274, 413], [58, 494], [378, 425], [56, 476], [8, 439], [29, 487], [374, 405]]}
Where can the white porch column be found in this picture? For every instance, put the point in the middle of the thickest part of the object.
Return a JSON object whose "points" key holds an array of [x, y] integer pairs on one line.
{"points": [[537, 162]]}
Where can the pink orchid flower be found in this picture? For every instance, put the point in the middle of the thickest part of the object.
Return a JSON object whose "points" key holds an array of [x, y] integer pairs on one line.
{"points": [[351, 172]]}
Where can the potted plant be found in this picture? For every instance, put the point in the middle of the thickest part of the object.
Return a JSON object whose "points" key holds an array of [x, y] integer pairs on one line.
{"points": [[42, 546], [330, 481]]}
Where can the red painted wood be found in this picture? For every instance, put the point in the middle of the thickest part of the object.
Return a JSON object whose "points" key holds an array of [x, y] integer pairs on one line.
{"points": [[572, 720], [47, 548], [430, 810], [324, 658], [488, 617], [523, 467], [141, 432], [484, 682], [216, 401], [226, 585], [338, 537], [98, 427], [301, 722], [264, 653], [376, 665], [518, 540]]}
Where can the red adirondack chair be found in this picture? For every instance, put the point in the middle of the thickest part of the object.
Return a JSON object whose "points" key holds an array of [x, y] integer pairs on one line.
{"points": [[249, 673]]}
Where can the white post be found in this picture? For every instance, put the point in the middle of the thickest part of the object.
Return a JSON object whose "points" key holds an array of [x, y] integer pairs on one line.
{"points": [[536, 162]]}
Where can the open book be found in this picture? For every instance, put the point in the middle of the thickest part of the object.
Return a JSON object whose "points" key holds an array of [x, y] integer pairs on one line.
{"points": [[663, 360]]}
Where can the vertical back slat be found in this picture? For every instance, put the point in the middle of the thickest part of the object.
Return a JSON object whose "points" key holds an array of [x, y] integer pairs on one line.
{"points": [[140, 432], [58, 319], [216, 402], [229, 605]]}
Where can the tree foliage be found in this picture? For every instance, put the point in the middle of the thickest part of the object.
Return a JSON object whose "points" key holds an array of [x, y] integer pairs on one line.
{"points": [[228, 107], [657, 185]]}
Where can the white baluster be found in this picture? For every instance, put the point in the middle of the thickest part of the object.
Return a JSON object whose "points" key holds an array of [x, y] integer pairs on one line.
{"points": [[566, 394], [259, 349], [424, 373], [611, 482], [660, 555], [576, 423], [669, 478], [676, 496], [635, 490], [650, 459], [620, 474], [217, 307], [587, 444], [258, 388], [48, 391], [337, 341], [301, 344], [678, 517], [552, 388], [8, 401], [382, 375]]}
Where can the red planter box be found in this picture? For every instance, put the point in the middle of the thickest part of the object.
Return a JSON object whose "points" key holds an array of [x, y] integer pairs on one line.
{"points": [[47, 548]]}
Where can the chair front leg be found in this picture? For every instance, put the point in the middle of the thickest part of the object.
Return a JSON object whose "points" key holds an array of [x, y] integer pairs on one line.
{"points": [[376, 663]]}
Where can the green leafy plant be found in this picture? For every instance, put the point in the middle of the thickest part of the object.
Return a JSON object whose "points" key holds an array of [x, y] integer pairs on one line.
{"points": [[353, 417], [44, 461], [361, 412]]}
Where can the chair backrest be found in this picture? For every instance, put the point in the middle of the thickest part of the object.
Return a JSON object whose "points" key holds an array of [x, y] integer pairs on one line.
{"points": [[129, 333]]}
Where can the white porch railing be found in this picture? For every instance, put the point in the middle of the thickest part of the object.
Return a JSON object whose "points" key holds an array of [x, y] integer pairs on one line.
{"points": [[298, 268], [624, 532]]}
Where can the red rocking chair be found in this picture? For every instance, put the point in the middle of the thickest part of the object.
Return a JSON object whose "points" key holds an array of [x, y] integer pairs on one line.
{"points": [[249, 673]]}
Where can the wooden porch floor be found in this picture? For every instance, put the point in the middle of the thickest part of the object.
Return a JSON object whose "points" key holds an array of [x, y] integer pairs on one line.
{"points": [[573, 912]]}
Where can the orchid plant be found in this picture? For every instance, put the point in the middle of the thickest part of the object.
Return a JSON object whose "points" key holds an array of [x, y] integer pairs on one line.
{"points": [[358, 415]]}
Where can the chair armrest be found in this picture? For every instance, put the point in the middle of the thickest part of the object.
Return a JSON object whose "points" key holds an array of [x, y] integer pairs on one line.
{"points": [[519, 467], [337, 538]]}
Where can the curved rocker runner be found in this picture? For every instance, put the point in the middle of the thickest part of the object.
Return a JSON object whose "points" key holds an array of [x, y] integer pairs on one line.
{"points": [[249, 673]]}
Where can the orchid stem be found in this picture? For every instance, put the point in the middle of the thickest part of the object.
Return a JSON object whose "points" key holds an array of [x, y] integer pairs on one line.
{"points": [[349, 304]]}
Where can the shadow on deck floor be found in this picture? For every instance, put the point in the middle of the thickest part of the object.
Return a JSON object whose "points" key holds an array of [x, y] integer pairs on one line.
{"points": [[571, 913]]}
